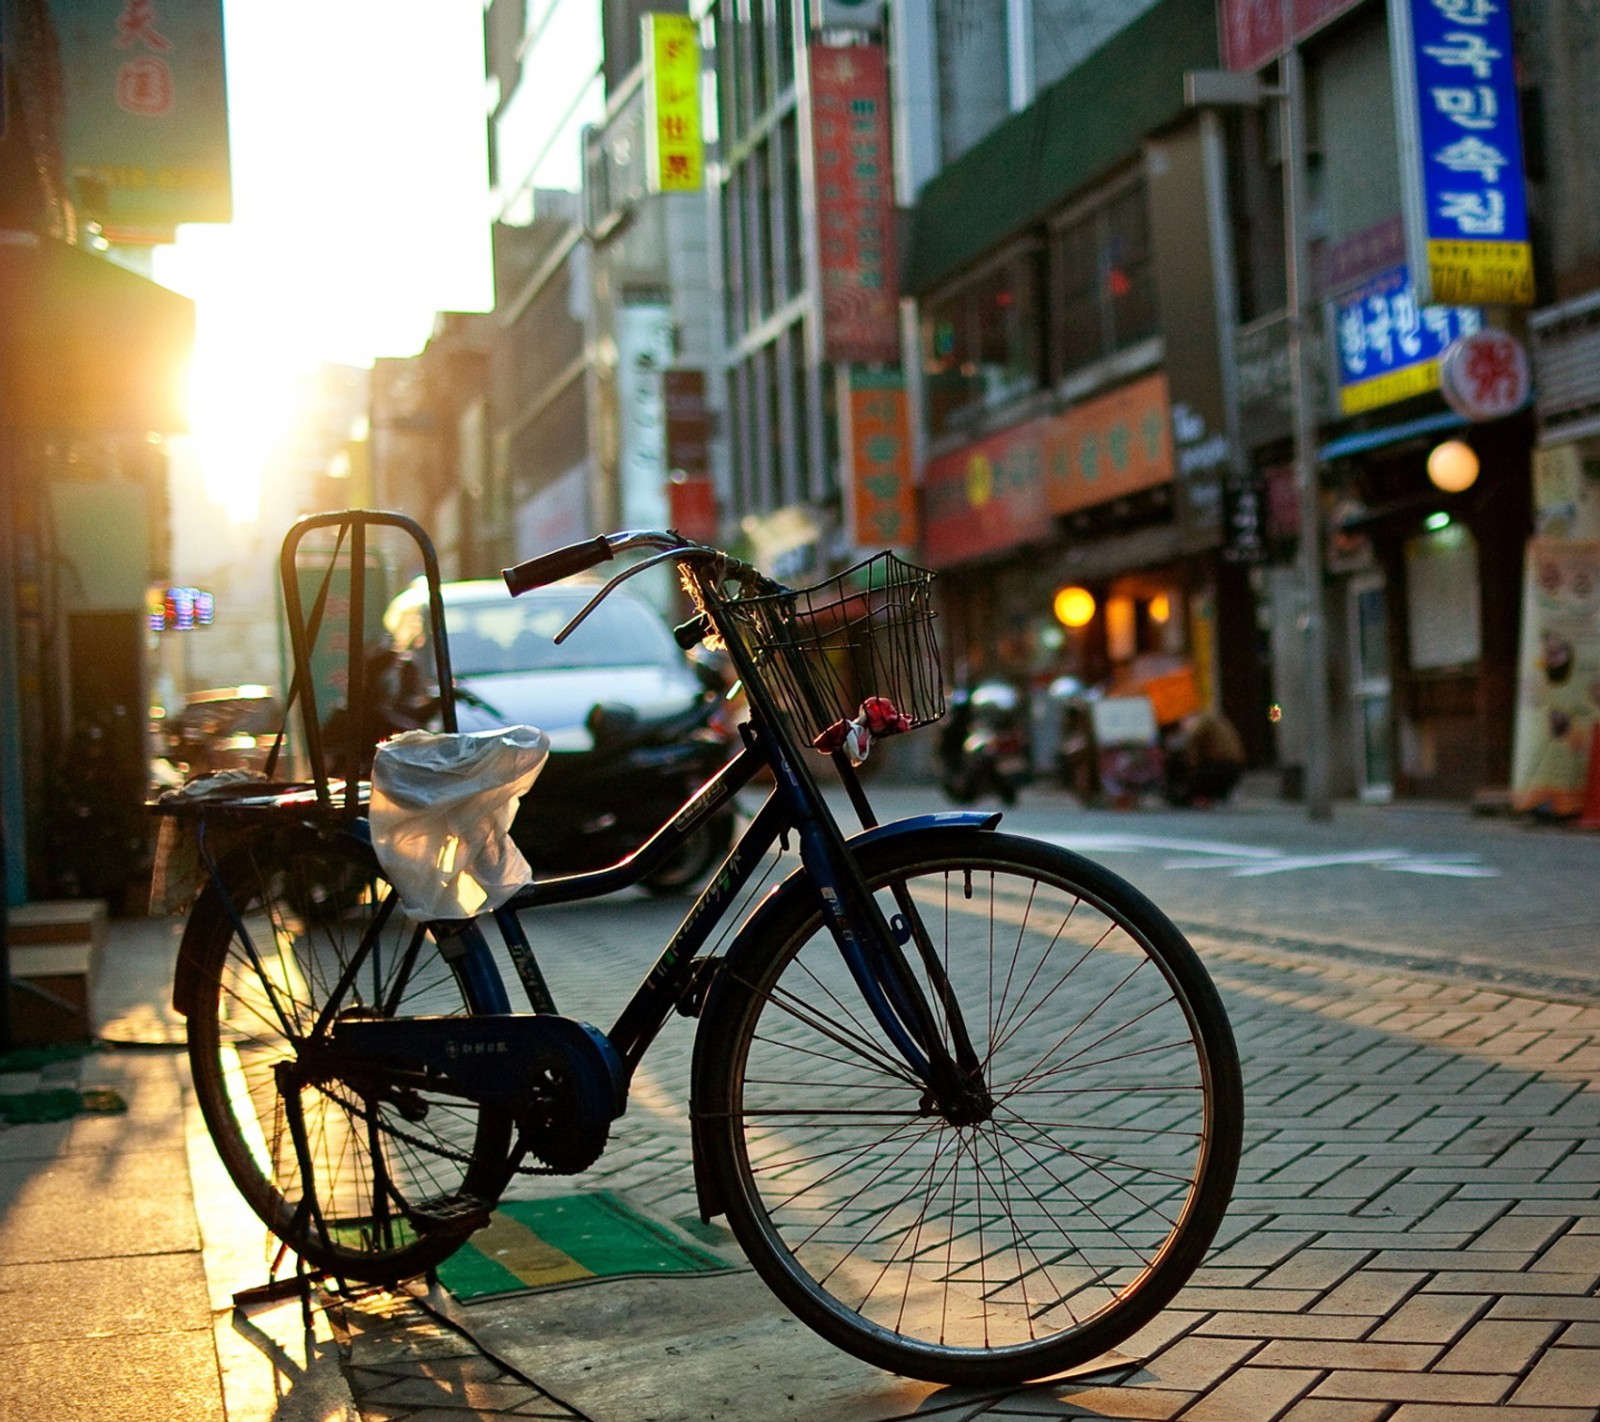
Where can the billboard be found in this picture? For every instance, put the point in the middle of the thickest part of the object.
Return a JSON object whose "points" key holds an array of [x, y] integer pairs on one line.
{"points": [[1004, 489], [1465, 201], [883, 511], [855, 202], [1389, 344], [675, 152], [146, 128]]}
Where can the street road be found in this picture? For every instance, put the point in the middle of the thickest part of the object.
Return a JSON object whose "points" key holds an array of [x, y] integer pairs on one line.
{"points": [[1496, 899]]}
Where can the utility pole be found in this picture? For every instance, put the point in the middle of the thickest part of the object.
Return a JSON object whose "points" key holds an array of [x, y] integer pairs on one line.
{"points": [[1302, 395], [1221, 88]]}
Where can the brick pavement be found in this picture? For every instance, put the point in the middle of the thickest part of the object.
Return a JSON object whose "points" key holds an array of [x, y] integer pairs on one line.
{"points": [[1413, 1237], [1415, 1234]]}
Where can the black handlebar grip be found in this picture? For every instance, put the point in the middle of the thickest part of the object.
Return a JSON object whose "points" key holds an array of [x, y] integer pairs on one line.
{"points": [[552, 567], [693, 632]]}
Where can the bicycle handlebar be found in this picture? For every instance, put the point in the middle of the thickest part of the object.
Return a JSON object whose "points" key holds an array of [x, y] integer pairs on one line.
{"points": [[552, 567], [666, 544]]}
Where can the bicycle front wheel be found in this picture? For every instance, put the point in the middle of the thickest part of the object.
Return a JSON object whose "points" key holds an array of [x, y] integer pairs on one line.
{"points": [[1025, 1242], [360, 1176]]}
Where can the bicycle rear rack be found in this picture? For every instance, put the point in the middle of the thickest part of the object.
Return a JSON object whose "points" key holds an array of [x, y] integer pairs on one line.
{"points": [[336, 620]]}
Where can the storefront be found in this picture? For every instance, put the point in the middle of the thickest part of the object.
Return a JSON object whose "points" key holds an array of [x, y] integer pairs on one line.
{"points": [[1064, 555]]}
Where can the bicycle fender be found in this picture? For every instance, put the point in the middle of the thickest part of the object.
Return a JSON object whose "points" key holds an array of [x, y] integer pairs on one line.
{"points": [[794, 896]]}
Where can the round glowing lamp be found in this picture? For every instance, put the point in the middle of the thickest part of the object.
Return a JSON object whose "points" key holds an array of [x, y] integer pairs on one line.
{"points": [[1074, 607], [1453, 466]]}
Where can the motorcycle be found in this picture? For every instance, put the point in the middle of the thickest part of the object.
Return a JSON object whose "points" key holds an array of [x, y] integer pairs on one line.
{"points": [[984, 745]]}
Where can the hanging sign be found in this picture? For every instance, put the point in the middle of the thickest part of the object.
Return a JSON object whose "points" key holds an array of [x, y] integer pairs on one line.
{"points": [[675, 153], [1389, 345], [145, 107], [855, 202], [1484, 376], [883, 505], [1461, 151]]}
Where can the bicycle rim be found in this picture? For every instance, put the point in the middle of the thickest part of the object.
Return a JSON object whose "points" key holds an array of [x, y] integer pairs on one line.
{"points": [[341, 1173], [1022, 1244]]}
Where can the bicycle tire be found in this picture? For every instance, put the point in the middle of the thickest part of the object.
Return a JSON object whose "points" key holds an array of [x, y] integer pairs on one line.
{"points": [[1016, 1247], [306, 896]]}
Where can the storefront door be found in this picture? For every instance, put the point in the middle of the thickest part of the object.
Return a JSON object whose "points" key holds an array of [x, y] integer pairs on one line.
{"points": [[1369, 662]]}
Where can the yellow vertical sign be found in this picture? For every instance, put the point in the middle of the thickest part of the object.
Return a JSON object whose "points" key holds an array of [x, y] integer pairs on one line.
{"points": [[672, 104]]}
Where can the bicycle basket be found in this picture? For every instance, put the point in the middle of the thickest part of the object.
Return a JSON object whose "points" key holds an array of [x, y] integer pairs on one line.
{"points": [[866, 632]]}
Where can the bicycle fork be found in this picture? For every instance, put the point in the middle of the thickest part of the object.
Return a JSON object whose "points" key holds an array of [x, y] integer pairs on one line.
{"points": [[873, 949]]}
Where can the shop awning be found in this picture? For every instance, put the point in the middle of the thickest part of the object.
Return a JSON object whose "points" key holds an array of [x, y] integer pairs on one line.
{"points": [[1364, 440], [87, 345]]}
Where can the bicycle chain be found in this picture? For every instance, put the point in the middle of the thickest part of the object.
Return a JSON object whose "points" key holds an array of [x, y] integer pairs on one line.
{"points": [[437, 1148]]}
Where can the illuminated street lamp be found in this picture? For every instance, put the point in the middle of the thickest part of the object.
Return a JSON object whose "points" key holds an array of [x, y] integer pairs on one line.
{"points": [[1074, 607], [1453, 466]]}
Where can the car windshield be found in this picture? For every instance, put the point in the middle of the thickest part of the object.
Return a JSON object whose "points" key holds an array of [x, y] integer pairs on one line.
{"points": [[506, 636]]}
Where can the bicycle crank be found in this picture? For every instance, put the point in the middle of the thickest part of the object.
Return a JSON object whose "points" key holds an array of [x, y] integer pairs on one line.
{"points": [[561, 1080]]}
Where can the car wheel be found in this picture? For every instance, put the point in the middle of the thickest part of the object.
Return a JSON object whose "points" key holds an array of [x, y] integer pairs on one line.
{"points": [[694, 858]]}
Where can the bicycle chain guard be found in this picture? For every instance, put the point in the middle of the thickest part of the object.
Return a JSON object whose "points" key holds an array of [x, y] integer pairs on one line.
{"points": [[561, 1080]]}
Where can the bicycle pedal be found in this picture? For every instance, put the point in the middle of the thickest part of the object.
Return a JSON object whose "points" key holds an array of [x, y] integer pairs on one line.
{"points": [[450, 1214]]}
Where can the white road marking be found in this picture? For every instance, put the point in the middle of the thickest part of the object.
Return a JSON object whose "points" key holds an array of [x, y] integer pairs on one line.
{"points": [[1252, 861]]}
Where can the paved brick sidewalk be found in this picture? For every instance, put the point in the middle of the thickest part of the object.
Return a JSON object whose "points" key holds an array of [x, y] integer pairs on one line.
{"points": [[1415, 1235]]}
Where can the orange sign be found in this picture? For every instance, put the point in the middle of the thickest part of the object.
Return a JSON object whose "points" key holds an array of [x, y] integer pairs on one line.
{"points": [[1108, 447], [884, 506], [1002, 491]]}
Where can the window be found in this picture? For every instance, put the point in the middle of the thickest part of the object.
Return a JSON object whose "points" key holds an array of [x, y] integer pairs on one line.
{"points": [[980, 341], [1105, 281]]}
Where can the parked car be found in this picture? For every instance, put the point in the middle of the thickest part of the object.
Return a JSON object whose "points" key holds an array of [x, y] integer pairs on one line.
{"points": [[227, 728], [633, 724]]}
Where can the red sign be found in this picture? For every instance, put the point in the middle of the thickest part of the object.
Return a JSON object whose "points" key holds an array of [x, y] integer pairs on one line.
{"points": [[884, 509], [1002, 491], [692, 507], [855, 202], [683, 392], [1484, 376], [1252, 30]]}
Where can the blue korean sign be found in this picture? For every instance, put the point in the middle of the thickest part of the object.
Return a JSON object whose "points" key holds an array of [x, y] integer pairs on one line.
{"points": [[1461, 145], [1389, 346]]}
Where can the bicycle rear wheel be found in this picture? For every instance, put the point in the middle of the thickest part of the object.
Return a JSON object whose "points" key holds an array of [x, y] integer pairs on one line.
{"points": [[1015, 1246], [365, 1179]]}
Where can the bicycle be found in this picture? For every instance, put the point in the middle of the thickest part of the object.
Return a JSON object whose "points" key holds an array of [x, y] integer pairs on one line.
{"points": [[969, 1102]]}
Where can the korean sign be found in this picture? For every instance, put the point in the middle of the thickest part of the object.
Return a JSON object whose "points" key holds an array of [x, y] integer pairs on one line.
{"points": [[855, 202], [1389, 344], [146, 133], [676, 154], [882, 508], [1461, 151]]}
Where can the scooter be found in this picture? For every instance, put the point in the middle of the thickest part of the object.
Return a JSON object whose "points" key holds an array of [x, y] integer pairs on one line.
{"points": [[984, 745]]}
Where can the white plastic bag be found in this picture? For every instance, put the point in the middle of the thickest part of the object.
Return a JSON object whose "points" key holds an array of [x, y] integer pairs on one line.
{"points": [[442, 806]]}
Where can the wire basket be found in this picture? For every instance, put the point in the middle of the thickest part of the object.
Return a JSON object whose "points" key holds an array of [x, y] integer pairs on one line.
{"points": [[867, 632]]}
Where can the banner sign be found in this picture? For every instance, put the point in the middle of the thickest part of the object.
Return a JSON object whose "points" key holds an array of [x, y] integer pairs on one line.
{"points": [[146, 131], [1004, 490], [1253, 32], [675, 152], [855, 203], [1558, 683], [883, 508], [1389, 346], [1461, 151]]}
